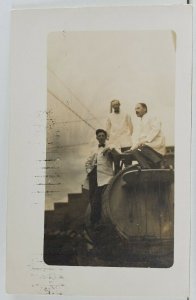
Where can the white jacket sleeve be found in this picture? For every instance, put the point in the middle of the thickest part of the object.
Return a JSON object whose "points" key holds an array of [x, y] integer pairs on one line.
{"points": [[155, 126], [90, 162], [135, 138], [108, 127], [129, 124]]}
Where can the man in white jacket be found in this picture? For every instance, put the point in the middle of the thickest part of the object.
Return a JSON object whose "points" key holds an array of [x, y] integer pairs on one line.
{"points": [[148, 141], [119, 129], [100, 171]]}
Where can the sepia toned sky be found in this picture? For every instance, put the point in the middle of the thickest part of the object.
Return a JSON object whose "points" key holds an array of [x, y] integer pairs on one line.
{"points": [[86, 70]]}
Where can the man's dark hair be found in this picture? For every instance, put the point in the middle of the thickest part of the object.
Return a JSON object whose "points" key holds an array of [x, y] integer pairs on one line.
{"points": [[101, 130], [144, 106]]}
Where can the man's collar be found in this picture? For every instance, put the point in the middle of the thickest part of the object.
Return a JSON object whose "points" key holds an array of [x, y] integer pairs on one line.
{"points": [[101, 145]]}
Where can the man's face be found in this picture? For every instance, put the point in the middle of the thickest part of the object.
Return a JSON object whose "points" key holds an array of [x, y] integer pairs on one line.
{"points": [[140, 110], [101, 137], [116, 106]]}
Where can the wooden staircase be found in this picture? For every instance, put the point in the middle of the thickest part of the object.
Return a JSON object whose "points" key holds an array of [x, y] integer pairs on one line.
{"points": [[68, 215]]}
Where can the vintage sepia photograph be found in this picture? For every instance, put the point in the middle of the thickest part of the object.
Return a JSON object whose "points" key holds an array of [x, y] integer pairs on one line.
{"points": [[109, 198], [100, 152]]}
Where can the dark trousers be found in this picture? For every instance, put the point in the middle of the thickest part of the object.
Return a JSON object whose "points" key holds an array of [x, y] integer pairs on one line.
{"points": [[117, 159], [95, 196], [147, 157]]}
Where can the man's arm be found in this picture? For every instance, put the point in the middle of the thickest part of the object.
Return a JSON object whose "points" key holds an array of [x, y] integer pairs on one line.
{"points": [[135, 138], [90, 163], [108, 127], [129, 124], [155, 126]]}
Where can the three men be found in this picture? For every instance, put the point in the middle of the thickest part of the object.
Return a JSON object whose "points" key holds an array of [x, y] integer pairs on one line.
{"points": [[148, 148]]}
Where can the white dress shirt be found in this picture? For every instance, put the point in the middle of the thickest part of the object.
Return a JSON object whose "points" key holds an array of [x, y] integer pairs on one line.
{"points": [[103, 163], [150, 134], [119, 129]]}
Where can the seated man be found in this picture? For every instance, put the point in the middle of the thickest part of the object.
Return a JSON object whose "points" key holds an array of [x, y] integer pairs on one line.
{"points": [[148, 142], [100, 171]]}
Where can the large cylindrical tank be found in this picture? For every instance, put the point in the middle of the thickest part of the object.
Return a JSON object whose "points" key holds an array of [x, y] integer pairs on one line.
{"points": [[138, 206]]}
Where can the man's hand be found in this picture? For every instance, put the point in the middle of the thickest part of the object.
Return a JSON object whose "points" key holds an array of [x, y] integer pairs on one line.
{"points": [[106, 151], [88, 170], [142, 142], [133, 148]]}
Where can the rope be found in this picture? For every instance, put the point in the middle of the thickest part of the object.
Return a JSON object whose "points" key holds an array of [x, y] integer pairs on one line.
{"points": [[69, 108]]}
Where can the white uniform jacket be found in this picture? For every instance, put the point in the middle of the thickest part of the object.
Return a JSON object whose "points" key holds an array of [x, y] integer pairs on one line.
{"points": [[103, 163], [119, 129], [150, 134]]}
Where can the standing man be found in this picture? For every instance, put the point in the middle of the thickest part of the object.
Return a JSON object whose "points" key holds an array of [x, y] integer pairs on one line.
{"points": [[119, 130], [148, 142], [100, 171], [119, 127]]}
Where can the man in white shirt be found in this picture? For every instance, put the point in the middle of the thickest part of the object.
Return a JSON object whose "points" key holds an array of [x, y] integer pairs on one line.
{"points": [[119, 129], [148, 141], [100, 171]]}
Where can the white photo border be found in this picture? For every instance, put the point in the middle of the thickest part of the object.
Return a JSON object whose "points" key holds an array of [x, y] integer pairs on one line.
{"points": [[26, 271]]}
